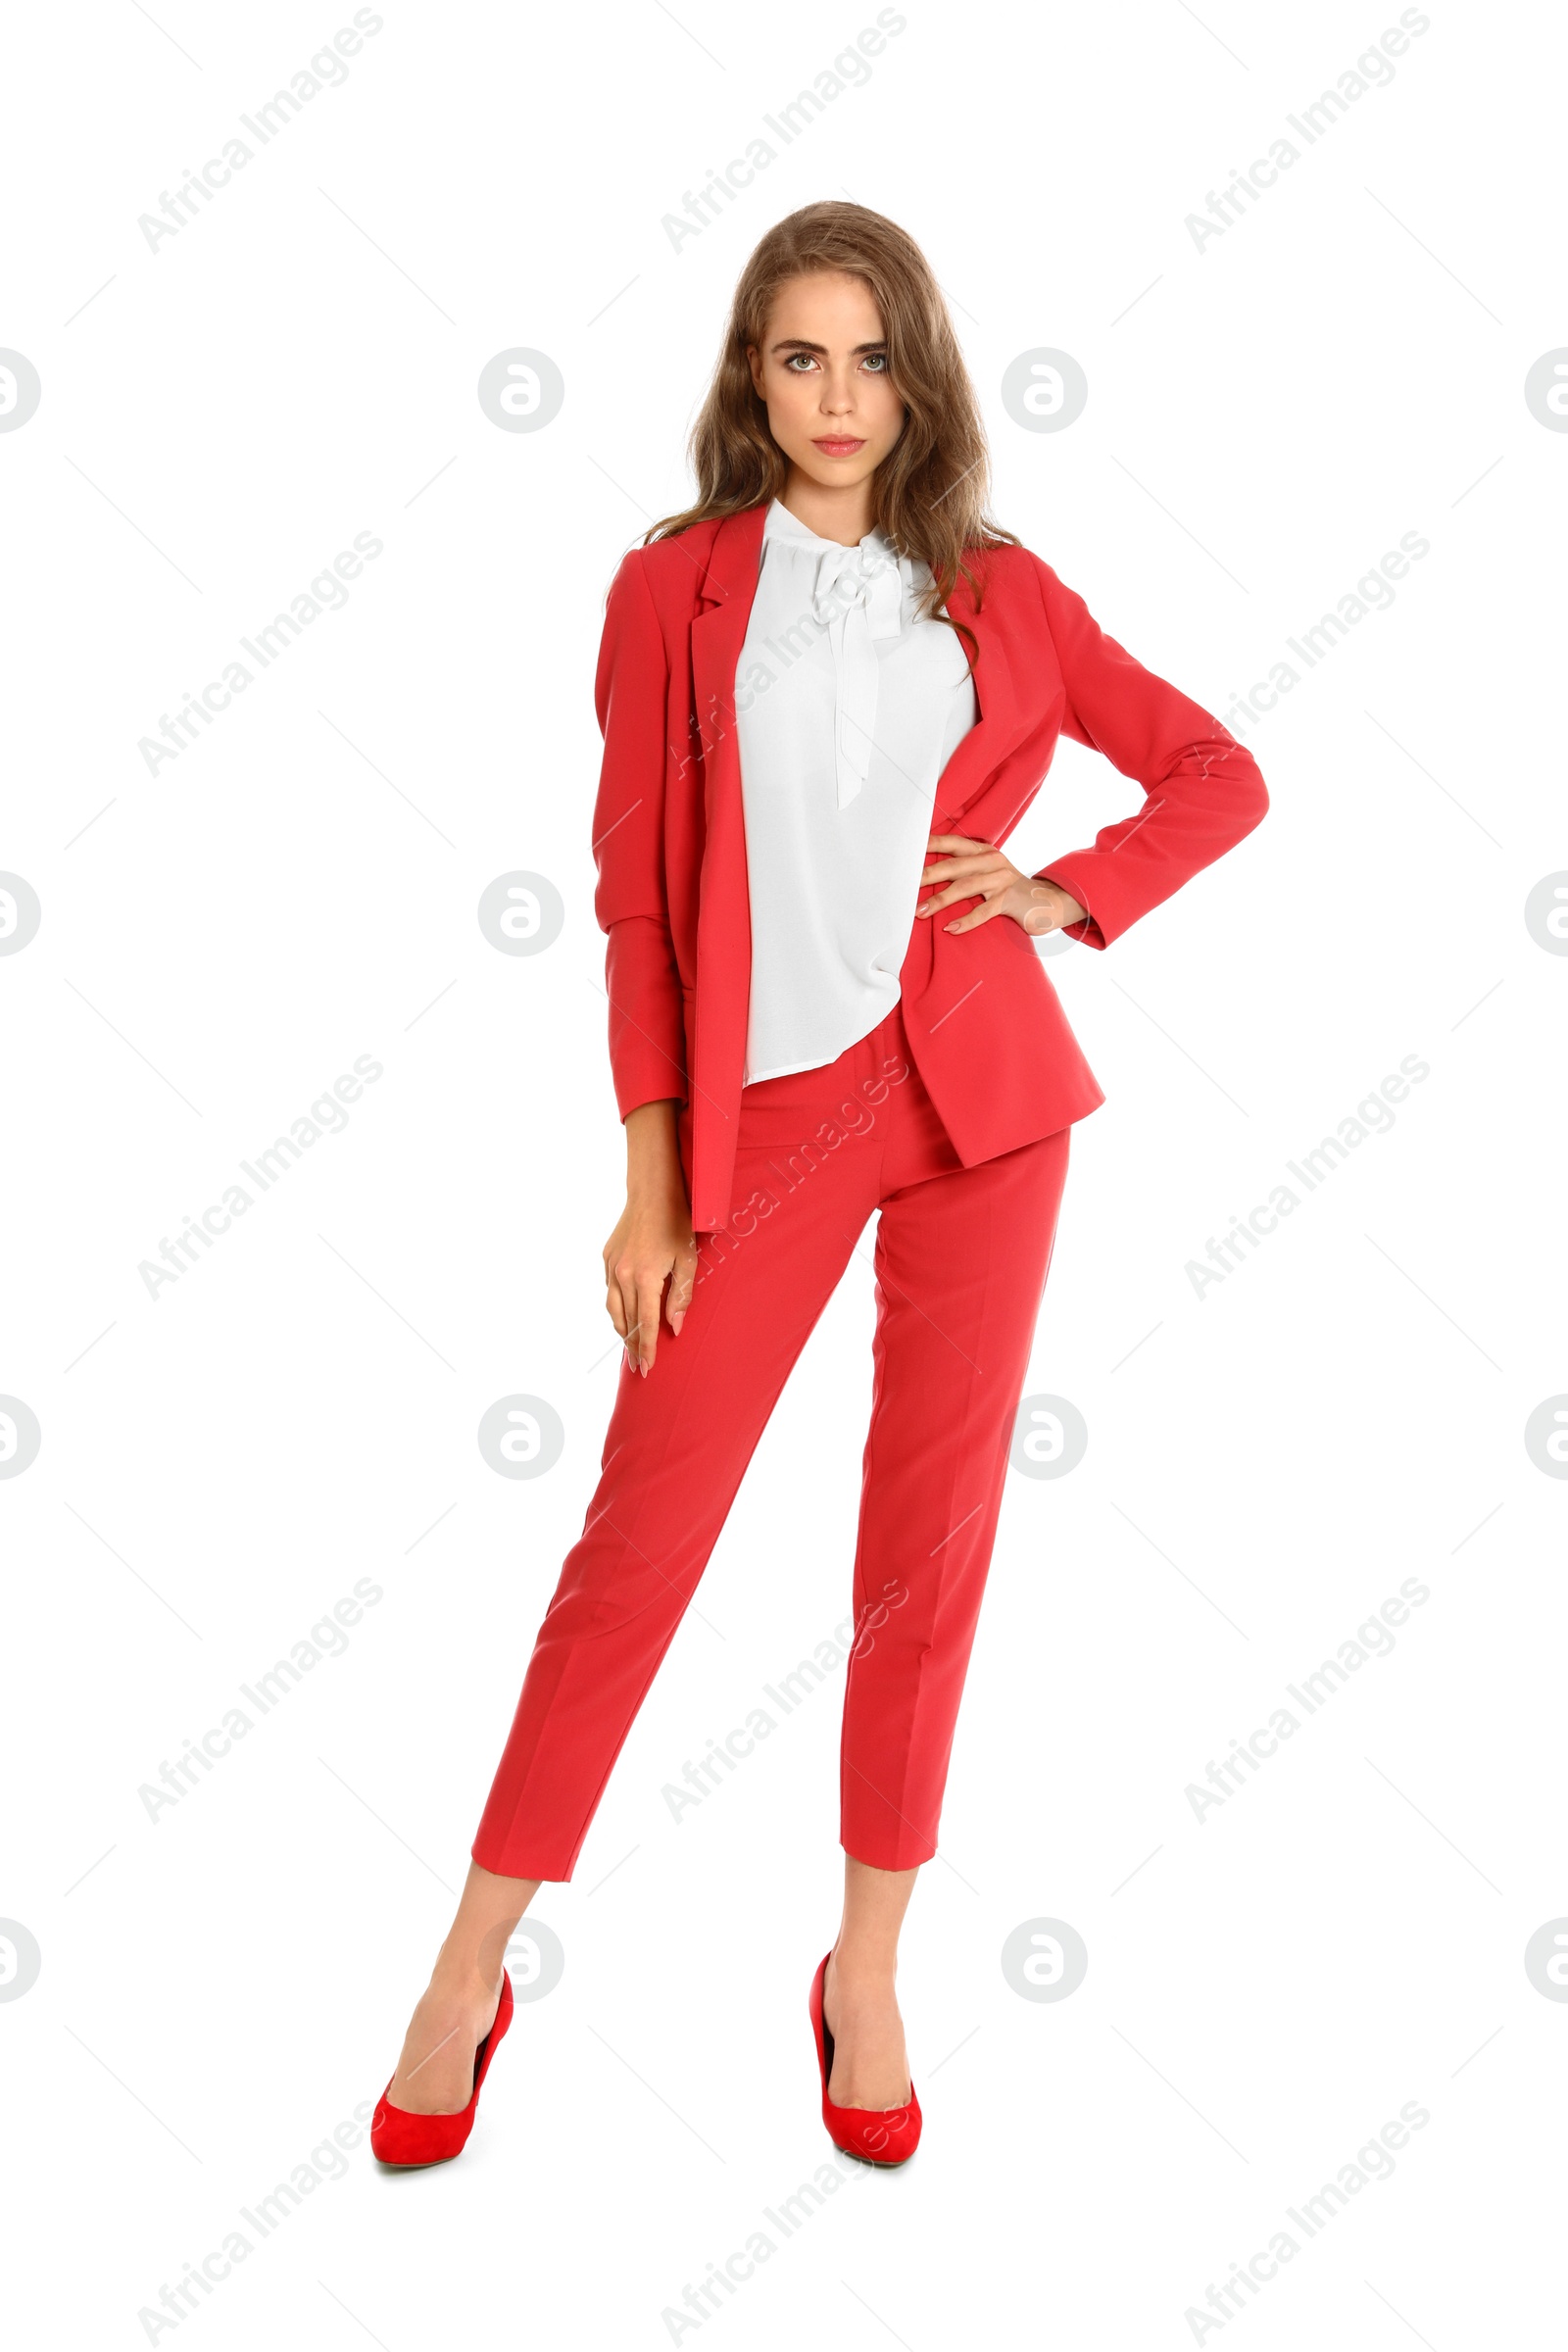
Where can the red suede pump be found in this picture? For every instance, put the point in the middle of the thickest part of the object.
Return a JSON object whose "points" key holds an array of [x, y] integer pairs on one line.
{"points": [[885, 2135], [398, 2137]]}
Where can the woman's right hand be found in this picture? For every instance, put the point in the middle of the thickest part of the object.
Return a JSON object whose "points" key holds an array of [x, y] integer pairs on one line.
{"points": [[653, 1242]]}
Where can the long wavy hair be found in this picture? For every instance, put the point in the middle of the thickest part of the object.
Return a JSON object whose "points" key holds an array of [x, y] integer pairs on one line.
{"points": [[930, 493]]}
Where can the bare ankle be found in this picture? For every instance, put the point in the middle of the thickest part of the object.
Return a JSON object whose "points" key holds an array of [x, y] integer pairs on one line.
{"points": [[462, 1978], [863, 1972]]}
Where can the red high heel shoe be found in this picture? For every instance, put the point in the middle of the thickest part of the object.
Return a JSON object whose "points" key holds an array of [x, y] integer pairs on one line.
{"points": [[400, 2138], [885, 2135]]}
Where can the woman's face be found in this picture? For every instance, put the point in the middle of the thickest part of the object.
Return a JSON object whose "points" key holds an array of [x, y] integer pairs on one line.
{"points": [[823, 373]]}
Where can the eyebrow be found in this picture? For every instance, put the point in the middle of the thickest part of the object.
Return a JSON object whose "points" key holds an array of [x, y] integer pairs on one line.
{"points": [[799, 343]]}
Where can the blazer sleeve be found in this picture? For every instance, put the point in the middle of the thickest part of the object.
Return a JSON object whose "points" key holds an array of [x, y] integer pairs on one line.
{"points": [[642, 980], [1202, 791]]}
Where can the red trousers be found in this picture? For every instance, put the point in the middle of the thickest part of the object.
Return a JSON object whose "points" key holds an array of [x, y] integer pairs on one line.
{"points": [[961, 1255]]}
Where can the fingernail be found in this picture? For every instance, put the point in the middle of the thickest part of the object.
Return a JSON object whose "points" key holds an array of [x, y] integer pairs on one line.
{"points": [[643, 1368]]}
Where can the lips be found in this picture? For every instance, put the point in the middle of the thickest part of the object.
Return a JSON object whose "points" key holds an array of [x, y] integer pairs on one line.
{"points": [[838, 445]]}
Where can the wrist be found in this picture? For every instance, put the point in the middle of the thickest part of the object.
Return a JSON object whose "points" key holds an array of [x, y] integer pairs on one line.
{"points": [[653, 1173], [1067, 908]]}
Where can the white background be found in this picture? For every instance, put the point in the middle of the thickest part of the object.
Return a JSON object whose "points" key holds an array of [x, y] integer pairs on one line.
{"points": [[1266, 1987]]}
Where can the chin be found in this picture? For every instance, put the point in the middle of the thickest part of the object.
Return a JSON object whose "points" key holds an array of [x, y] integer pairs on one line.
{"points": [[837, 473]]}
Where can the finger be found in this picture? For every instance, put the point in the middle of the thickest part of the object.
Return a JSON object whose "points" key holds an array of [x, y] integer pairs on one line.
{"points": [[988, 871], [962, 881], [950, 897], [981, 914], [945, 869], [622, 1300], [953, 855], [629, 1300], [681, 1284], [649, 1298], [634, 1334], [971, 853]]}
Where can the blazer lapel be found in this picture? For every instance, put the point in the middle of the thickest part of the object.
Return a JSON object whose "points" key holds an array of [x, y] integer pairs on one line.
{"points": [[726, 596], [1001, 721]]}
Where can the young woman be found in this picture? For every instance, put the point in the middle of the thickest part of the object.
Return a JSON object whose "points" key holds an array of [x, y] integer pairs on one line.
{"points": [[828, 692]]}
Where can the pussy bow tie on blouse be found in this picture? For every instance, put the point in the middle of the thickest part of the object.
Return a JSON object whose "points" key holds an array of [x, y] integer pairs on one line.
{"points": [[858, 597]]}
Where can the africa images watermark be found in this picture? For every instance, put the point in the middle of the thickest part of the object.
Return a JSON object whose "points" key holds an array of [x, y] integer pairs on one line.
{"points": [[706, 2299], [790, 1692], [856, 1116], [1372, 1116], [1373, 2161], [850, 70], [1373, 593], [327, 2161], [326, 71], [326, 593], [327, 1115], [1373, 1638], [329, 1638], [1373, 70]]}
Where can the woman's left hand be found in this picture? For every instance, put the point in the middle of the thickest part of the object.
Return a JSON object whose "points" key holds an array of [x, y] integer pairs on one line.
{"points": [[970, 869]]}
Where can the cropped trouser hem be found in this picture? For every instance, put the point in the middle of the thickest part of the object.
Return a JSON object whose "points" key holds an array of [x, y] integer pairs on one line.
{"points": [[961, 1261]]}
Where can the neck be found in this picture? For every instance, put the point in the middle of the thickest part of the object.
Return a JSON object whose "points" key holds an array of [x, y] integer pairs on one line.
{"points": [[831, 511]]}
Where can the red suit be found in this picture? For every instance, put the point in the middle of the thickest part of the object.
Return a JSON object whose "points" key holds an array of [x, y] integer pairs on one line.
{"points": [[964, 1153]]}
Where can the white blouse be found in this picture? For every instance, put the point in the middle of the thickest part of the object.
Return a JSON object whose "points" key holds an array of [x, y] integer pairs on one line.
{"points": [[848, 709]]}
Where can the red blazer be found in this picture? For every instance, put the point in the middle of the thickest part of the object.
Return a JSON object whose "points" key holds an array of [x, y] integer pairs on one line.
{"points": [[985, 1026]]}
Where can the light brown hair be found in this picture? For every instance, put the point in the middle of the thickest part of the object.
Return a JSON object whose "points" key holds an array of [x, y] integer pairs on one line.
{"points": [[930, 492]]}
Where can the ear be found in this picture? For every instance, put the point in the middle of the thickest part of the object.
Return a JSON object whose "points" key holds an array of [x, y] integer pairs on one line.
{"points": [[754, 362]]}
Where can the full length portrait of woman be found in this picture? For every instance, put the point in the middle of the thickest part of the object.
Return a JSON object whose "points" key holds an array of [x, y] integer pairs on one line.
{"points": [[828, 691]]}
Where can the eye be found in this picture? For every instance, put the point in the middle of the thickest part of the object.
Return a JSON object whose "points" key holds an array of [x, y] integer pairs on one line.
{"points": [[877, 362], [806, 359]]}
